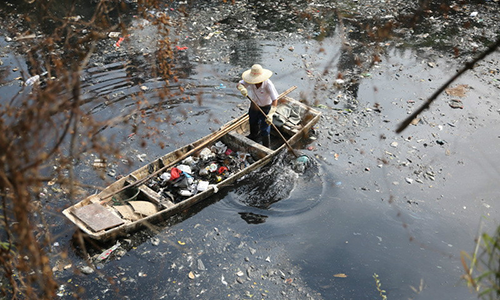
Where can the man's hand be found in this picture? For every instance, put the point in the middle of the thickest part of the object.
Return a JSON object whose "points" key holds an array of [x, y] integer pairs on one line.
{"points": [[269, 117], [242, 89]]}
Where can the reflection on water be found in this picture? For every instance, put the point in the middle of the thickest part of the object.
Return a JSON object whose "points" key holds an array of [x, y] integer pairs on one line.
{"points": [[276, 191], [271, 184], [252, 218]]}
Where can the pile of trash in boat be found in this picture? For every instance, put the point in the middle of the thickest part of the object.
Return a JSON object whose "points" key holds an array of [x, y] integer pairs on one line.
{"points": [[197, 173]]}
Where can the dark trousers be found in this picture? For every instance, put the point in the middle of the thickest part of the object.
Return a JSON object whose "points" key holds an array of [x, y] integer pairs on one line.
{"points": [[258, 121]]}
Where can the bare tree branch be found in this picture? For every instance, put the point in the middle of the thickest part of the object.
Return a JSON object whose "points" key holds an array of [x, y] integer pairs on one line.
{"points": [[427, 104]]}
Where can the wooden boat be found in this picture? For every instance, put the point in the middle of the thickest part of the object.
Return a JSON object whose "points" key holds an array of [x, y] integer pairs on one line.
{"points": [[131, 202]]}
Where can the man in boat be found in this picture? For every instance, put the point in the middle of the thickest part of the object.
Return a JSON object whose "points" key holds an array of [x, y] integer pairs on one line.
{"points": [[263, 94]]}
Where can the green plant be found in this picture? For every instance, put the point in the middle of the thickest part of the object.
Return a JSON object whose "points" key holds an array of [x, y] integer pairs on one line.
{"points": [[486, 264]]}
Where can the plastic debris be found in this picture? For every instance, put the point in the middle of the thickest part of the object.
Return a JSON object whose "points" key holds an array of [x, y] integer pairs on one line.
{"points": [[206, 154], [106, 253], [61, 290], [99, 163], [202, 186], [219, 148], [299, 165], [211, 34], [165, 176], [201, 266], [212, 168], [155, 241], [118, 43], [222, 170], [190, 161], [243, 156], [220, 86], [199, 173], [185, 193], [33, 80], [86, 270], [184, 168]]}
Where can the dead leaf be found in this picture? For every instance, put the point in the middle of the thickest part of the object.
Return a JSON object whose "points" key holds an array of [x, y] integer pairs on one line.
{"points": [[415, 121], [458, 91], [340, 275]]}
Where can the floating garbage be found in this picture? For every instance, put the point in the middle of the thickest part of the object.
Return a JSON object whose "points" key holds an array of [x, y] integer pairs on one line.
{"points": [[99, 163], [33, 80], [118, 43], [220, 86], [86, 270], [106, 253], [300, 164]]}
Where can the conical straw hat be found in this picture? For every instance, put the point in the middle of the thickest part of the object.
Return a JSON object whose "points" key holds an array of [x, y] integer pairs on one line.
{"points": [[256, 74]]}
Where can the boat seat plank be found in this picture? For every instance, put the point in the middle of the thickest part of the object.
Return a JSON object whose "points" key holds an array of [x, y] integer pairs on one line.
{"points": [[152, 195], [244, 140], [97, 217]]}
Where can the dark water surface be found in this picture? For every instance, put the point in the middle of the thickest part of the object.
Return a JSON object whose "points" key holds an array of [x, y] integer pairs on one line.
{"points": [[337, 217], [364, 207]]}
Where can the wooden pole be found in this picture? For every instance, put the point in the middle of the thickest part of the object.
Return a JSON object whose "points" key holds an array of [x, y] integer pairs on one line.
{"points": [[275, 128]]}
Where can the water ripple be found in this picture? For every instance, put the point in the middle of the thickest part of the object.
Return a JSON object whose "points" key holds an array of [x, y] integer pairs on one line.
{"points": [[277, 190]]}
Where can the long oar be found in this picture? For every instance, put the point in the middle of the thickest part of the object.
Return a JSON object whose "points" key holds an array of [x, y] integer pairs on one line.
{"points": [[275, 128]]}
